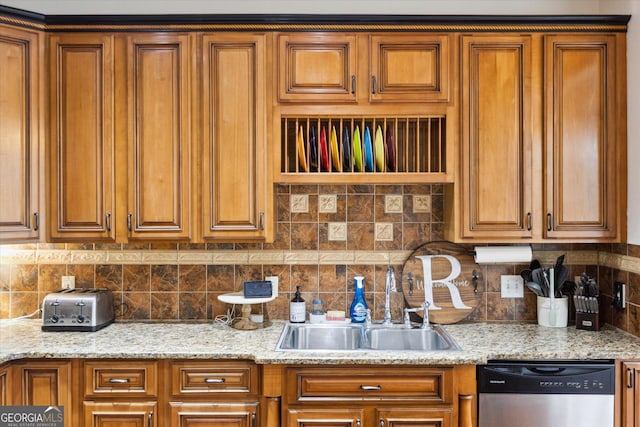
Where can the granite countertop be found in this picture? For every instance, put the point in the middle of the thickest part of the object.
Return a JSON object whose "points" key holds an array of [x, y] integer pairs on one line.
{"points": [[479, 342]]}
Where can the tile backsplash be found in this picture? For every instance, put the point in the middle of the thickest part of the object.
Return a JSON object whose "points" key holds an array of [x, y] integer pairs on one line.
{"points": [[326, 235]]}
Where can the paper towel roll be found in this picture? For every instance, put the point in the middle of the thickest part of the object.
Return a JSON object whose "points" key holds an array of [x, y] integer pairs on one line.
{"points": [[502, 254]]}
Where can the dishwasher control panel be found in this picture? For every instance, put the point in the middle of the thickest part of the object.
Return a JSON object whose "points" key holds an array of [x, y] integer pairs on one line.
{"points": [[544, 377]]}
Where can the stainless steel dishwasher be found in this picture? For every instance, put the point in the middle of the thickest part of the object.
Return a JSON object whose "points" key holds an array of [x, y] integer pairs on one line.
{"points": [[546, 394]]}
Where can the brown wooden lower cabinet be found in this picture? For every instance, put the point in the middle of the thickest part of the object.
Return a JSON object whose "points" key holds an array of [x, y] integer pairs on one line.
{"points": [[120, 414], [384, 396], [213, 414], [629, 392], [239, 393], [4, 385]]}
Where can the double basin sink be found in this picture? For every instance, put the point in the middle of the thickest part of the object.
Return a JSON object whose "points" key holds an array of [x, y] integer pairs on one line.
{"points": [[350, 337]]}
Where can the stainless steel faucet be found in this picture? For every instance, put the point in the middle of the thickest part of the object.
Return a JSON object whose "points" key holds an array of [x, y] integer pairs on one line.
{"points": [[389, 286], [425, 315]]}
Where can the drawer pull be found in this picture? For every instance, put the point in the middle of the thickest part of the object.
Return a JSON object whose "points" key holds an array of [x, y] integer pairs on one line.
{"points": [[214, 380], [358, 422], [119, 380], [370, 387], [150, 419], [381, 422]]}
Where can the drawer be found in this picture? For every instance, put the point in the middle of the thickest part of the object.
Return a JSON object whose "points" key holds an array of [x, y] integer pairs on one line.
{"points": [[193, 377], [120, 377], [408, 384]]}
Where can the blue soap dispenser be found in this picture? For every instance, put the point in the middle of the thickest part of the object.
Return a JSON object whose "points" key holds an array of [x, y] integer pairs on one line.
{"points": [[357, 312]]}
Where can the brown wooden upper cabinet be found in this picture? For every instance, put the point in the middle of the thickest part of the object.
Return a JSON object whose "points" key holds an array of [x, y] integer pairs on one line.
{"points": [[584, 144], [346, 67], [496, 136], [236, 186], [82, 170], [21, 124], [542, 154], [159, 88]]}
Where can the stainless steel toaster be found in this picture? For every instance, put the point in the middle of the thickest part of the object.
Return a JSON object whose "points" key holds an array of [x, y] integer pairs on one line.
{"points": [[80, 309]]}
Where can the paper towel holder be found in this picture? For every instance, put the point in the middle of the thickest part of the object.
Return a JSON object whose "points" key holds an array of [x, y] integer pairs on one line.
{"points": [[502, 254]]}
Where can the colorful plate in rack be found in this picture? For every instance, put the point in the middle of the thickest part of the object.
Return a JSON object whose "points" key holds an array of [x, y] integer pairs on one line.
{"points": [[378, 143], [368, 151], [357, 150], [313, 149], [302, 156], [346, 150], [324, 150], [335, 156], [391, 150]]}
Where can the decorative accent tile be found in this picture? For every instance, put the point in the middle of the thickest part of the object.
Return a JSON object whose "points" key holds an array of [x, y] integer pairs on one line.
{"points": [[421, 203], [335, 257], [195, 257], [392, 204], [299, 203], [53, 257], [384, 231], [266, 257], [328, 203], [301, 257], [17, 256], [230, 257], [338, 231], [124, 257], [88, 257], [366, 257]]}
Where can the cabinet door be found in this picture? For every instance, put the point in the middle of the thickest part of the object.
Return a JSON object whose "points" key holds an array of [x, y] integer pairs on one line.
{"points": [[159, 136], [214, 415], [19, 135], [119, 414], [335, 417], [4, 386], [81, 176], [580, 141], [235, 179], [496, 149], [630, 395], [317, 67], [409, 67], [414, 417], [44, 384]]}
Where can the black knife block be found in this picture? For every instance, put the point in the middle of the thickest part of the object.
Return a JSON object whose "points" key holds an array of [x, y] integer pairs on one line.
{"points": [[588, 321]]}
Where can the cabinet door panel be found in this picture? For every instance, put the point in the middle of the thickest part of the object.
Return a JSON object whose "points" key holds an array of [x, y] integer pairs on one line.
{"points": [[496, 136], [82, 136], [234, 162], [580, 142], [325, 417], [414, 418], [630, 394], [320, 67], [19, 135], [159, 85], [44, 384], [411, 67], [214, 415], [125, 414]]}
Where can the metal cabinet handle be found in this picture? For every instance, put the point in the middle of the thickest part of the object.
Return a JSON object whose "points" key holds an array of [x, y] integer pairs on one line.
{"points": [[108, 222], [529, 221], [214, 380], [119, 380], [358, 422], [129, 217], [261, 222], [150, 419], [630, 378], [373, 84], [370, 387], [549, 222], [253, 419], [381, 422], [353, 83], [36, 218]]}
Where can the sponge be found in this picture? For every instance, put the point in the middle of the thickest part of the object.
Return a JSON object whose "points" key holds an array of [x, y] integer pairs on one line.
{"points": [[335, 316]]}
